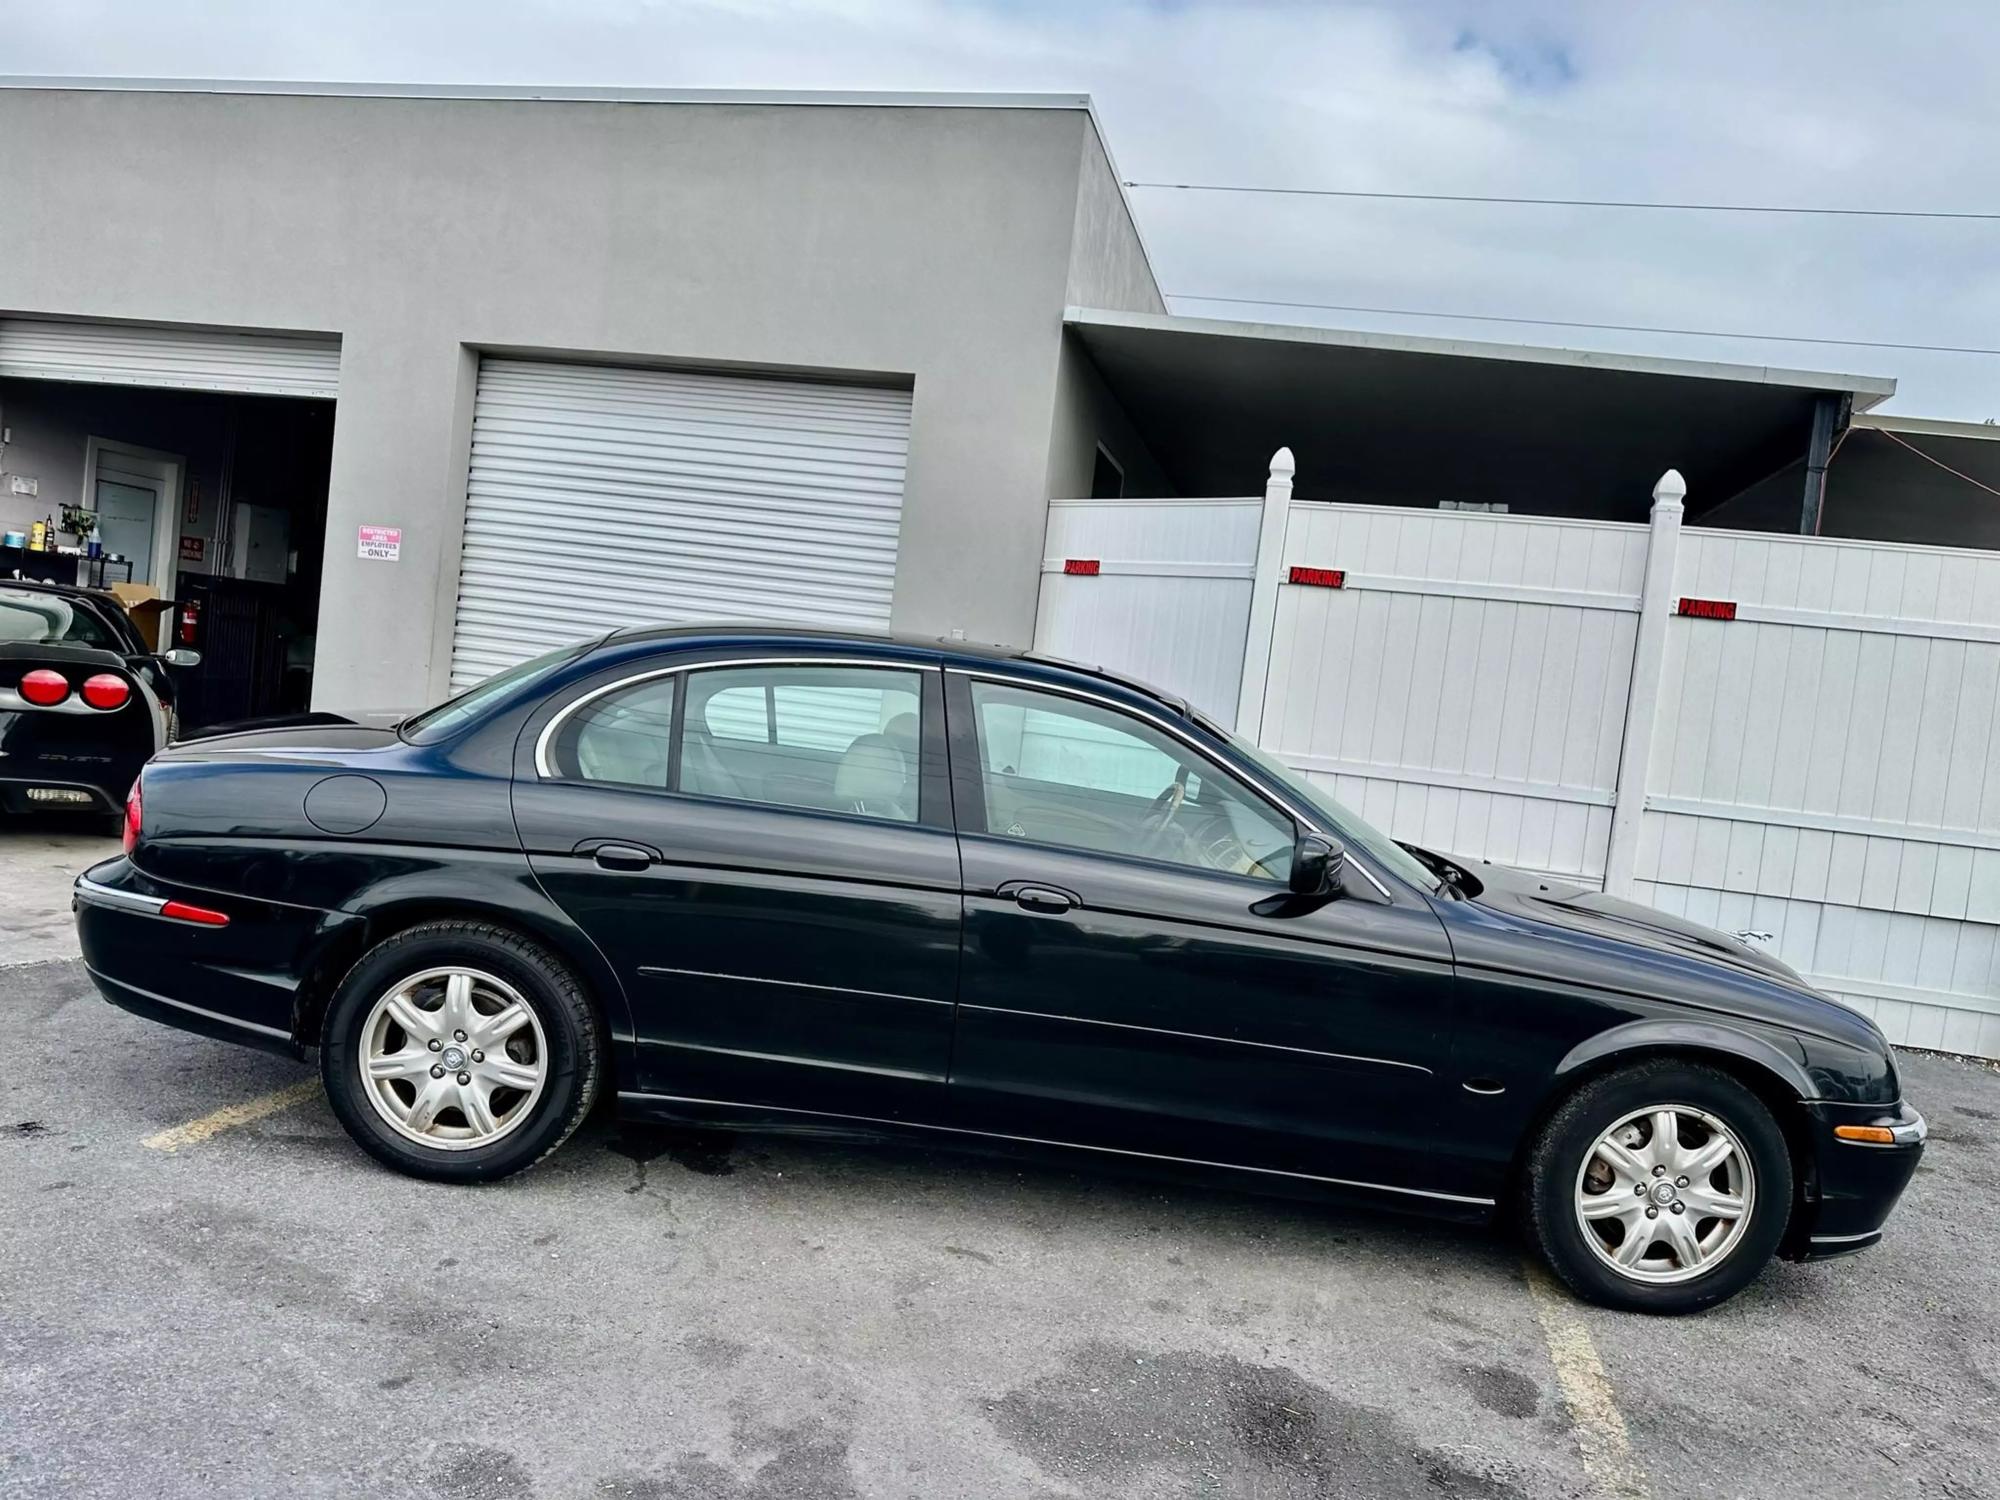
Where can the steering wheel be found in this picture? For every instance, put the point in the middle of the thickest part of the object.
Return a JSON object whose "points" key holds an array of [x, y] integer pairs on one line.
{"points": [[1162, 811]]}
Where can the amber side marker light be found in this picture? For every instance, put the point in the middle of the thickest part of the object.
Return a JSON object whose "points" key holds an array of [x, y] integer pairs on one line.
{"points": [[1873, 1135]]}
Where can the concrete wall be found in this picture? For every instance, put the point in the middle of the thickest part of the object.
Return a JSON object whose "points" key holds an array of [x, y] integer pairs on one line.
{"points": [[1086, 414], [936, 244], [1108, 265]]}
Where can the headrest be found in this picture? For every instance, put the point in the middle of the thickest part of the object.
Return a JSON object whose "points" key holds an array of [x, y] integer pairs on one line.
{"points": [[872, 776]]}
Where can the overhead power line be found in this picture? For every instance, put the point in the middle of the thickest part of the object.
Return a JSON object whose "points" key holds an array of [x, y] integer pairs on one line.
{"points": [[1693, 333], [1697, 208]]}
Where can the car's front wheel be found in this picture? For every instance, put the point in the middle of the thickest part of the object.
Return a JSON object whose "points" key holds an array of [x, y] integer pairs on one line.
{"points": [[1663, 1187], [461, 1052]]}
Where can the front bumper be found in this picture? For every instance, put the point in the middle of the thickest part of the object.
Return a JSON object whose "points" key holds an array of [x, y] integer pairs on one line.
{"points": [[1854, 1185]]}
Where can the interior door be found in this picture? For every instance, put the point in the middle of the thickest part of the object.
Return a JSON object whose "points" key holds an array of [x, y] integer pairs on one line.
{"points": [[127, 512], [764, 853], [1137, 976]]}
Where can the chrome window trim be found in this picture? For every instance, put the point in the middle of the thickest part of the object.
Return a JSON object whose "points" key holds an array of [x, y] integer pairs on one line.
{"points": [[545, 772], [640, 1096], [1255, 786]]}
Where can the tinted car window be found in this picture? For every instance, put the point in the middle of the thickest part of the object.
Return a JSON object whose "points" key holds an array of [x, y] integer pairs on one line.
{"points": [[624, 738], [1058, 770], [455, 713], [35, 619], [839, 739]]}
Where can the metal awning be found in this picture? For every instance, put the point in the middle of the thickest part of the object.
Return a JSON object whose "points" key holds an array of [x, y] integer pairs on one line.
{"points": [[1404, 420]]}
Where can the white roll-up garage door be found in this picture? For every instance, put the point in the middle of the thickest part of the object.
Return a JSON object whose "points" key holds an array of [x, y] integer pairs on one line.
{"points": [[601, 496], [185, 359]]}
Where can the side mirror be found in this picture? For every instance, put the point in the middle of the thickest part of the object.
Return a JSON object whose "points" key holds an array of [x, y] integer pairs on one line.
{"points": [[180, 656], [1316, 865]]}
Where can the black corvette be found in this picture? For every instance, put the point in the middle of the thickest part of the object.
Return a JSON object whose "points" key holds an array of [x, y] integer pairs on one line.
{"points": [[83, 700], [798, 881]]}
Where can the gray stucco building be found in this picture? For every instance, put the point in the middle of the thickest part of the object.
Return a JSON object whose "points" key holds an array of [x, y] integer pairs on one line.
{"points": [[918, 249]]}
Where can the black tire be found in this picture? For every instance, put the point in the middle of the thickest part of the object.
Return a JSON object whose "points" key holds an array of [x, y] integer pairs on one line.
{"points": [[1566, 1144], [570, 1030]]}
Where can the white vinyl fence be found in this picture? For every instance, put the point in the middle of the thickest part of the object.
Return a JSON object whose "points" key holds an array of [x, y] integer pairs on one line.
{"points": [[1780, 736]]}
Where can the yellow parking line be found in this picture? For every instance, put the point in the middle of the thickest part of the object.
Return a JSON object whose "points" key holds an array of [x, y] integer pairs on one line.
{"points": [[230, 1116], [1601, 1438]]}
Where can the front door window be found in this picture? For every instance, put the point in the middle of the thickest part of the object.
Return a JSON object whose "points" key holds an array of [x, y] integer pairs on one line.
{"points": [[1059, 770]]}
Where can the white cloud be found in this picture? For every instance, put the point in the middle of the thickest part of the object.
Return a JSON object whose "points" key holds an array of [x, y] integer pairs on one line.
{"points": [[1777, 101]]}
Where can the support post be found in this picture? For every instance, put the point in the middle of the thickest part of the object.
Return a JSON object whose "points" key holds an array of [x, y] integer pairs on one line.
{"points": [[1264, 595], [1819, 453], [1642, 699]]}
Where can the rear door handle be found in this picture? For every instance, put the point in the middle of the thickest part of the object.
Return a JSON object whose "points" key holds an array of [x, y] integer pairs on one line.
{"points": [[1030, 896], [622, 857]]}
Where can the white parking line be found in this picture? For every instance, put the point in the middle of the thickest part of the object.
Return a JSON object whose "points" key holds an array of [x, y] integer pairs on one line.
{"points": [[230, 1116], [1601, 1438]]}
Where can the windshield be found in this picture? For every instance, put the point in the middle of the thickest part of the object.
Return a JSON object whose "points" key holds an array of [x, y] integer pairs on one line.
{"points": [[1349, 825], [31, 619], [434, 724]]}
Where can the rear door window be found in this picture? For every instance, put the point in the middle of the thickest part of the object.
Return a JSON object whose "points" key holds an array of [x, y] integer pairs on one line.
{"points": [[837, 739]]}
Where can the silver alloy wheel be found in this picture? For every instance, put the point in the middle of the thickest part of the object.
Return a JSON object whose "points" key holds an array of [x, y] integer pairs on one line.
{"points": [[1666, 1194], [453, 1058]]}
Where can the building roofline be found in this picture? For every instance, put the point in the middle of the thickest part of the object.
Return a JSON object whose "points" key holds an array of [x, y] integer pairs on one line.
{"points": [[1867, 390], [1931, 427], [566, 93]]}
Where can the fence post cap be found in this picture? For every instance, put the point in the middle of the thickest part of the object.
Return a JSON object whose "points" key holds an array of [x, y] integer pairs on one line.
{"points": [[1283, 465], [1671, 489]]}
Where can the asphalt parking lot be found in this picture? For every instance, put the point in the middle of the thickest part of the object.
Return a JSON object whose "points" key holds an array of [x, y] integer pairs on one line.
{"points": [[207, 1291]]}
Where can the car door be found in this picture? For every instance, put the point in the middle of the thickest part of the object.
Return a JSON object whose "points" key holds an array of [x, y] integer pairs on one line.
{"points": [[763, 850], [1137, 976]]}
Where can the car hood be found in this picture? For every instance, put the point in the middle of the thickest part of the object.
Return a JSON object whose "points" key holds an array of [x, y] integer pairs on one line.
{"points": [[1582, 909]]}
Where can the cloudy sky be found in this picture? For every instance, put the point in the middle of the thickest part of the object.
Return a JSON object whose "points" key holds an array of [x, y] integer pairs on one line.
{"points": [[1825, 102]]}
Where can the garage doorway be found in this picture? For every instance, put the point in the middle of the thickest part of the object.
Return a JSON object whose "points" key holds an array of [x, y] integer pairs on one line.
{"points": [[197, 461]]}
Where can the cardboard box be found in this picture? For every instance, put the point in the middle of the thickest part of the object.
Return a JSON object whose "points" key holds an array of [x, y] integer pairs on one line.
{"points": [[151, 613]]}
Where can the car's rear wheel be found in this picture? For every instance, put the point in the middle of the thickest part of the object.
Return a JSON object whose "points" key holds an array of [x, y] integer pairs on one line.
{"points": [[461, 1052], [1663, 1187]]}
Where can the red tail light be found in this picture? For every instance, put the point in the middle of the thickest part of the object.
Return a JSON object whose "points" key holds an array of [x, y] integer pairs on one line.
{"points": [[43, 688], [134, 813], [180, 911], [106, 691]]}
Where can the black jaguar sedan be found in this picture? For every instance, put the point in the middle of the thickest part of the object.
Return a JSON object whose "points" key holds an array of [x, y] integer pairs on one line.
{"points": [[786, 880]]}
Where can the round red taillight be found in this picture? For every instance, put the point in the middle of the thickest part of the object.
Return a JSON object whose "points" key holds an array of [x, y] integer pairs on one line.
{"points": [[134, 816], [43, 688], [105, 691]]}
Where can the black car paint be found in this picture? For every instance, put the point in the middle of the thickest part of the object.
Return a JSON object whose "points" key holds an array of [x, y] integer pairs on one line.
{"points": [[98, 751], [796, 969]]}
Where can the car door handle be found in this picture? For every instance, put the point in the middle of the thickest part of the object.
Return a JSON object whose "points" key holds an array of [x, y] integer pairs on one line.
{"points": [[622, 857], [1030, 896]]}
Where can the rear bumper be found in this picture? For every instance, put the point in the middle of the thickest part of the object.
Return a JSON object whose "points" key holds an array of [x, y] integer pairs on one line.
{"points": [[1855, 1185], [238, 982]]}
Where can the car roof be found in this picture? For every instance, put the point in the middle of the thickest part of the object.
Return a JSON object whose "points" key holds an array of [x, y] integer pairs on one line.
{"points": [[967, 653]]}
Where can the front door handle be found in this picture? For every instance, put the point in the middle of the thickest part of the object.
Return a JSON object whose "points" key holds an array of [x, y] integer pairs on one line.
{"points": [[1030, 896], [622, 857]]}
